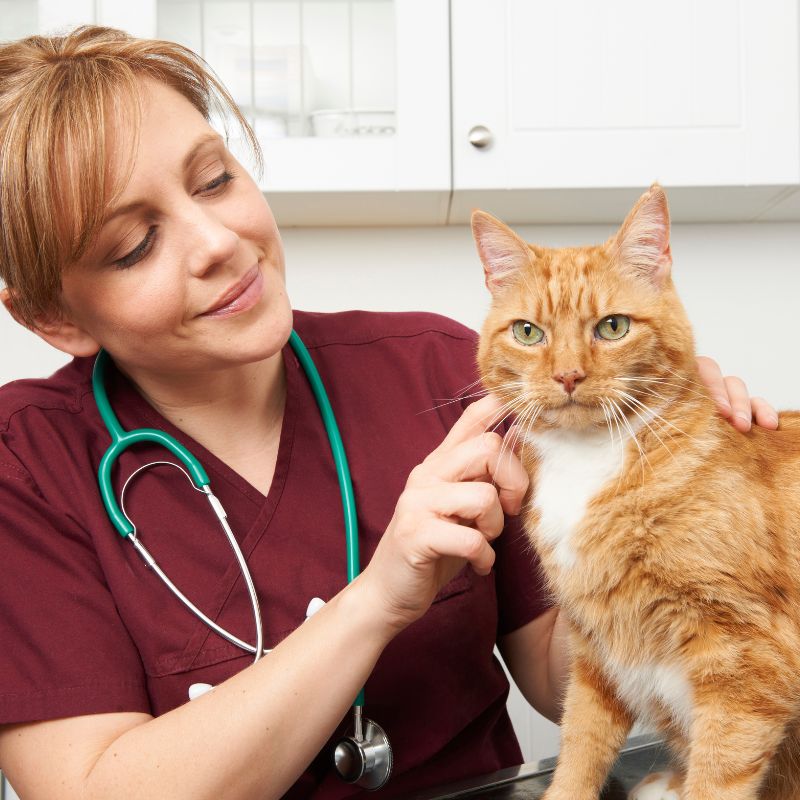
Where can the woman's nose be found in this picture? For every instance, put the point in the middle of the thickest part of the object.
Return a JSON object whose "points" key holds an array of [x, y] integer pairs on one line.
{"points": [[212, 242]]}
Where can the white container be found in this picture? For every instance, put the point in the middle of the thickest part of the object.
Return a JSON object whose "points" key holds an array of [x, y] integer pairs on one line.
{"points": [[353, 122]]}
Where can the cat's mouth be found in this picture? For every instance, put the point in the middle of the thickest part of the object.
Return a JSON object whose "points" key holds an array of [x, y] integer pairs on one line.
{"points": [[574, 413]]}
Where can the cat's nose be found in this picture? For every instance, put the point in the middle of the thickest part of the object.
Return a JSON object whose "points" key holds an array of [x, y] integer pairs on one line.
{"points": [[569, 379]]}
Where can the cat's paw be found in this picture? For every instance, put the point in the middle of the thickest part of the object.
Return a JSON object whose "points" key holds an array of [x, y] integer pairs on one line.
{"points": [[658, 786]]}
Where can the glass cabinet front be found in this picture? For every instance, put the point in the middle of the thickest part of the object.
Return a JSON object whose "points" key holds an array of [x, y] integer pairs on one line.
{"points": [[296, 67]]}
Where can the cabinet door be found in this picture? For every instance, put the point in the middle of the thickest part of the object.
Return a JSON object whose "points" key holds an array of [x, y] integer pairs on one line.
{"points": [[60, 16], [349, 98], [578, 93]]}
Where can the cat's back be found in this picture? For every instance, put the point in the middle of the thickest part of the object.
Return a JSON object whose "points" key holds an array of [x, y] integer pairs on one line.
{"points": [[778, 451]]}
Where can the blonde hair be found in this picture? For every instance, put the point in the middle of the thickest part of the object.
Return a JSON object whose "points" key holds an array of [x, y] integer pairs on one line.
{"points": [[58, 98]]}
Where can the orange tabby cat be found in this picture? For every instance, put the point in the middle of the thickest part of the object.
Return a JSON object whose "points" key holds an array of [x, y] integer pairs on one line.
{"points": [[670, 541]]}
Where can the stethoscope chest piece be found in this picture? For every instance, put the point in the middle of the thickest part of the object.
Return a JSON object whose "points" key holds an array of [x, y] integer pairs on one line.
{"points": [[367, 759]]}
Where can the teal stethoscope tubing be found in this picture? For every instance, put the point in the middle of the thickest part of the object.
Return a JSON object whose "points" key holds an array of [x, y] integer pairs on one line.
{"points": [[121, 440]]}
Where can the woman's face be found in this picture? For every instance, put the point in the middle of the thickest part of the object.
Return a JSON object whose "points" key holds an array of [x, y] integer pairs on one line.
{"points": [[187, 273]]}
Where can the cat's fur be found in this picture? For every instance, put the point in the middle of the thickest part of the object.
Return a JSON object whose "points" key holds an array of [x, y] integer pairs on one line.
{"points": [[670, 541]]}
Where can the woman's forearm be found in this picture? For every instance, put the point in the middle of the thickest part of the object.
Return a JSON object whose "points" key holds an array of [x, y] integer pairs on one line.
{"points": [[252, 735]]}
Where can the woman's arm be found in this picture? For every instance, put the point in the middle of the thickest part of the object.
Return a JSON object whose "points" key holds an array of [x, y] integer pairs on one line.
{"points": [[253, 735], [537, 656]]}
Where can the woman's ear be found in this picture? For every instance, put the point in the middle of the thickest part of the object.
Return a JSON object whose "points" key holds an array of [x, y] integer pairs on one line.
{"points": [[57, 330]]}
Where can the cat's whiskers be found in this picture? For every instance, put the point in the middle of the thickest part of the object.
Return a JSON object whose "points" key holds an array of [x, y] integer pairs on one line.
{"points": [[466, 388], [666, 383], [648, 389], [618, 417], [608, 418], [666, 401], [703, 389], [662, 418], [626, 422], [450, 400], [447, 401], [529, 418], [627, 400], [497, 419], [510, 442]]}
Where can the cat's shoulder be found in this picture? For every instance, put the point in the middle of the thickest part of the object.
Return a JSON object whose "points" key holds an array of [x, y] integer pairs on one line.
{"points": [[789, 420]]}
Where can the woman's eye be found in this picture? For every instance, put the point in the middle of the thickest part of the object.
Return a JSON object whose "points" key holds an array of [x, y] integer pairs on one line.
{"points": [[613, 327], [138, 252], [220, 180], [526, 332]]}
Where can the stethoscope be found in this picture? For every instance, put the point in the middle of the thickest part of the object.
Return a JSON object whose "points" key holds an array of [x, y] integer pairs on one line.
{"points": [[365, 755]]}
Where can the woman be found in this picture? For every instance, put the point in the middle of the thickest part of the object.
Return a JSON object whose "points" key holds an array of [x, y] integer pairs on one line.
{"points": [[127, 225]]}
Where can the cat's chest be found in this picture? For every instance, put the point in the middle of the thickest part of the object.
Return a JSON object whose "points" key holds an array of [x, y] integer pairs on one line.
{"points": [[573, 468]]}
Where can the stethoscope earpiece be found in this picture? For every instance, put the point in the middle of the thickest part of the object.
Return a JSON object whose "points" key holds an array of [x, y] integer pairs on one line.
{"points": [[366, 760]]}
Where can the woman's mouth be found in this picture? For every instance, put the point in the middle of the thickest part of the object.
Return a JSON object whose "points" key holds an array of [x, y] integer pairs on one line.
{"points": [[243, 295]]}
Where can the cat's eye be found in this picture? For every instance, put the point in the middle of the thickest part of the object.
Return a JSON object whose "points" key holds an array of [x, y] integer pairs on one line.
{"points": [[526, 332], [613, 327]]}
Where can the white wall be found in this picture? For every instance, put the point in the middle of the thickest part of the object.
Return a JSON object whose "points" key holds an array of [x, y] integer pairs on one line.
{"points": [[740, 283]]}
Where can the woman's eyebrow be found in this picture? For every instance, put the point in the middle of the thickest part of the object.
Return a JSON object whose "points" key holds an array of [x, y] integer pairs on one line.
{"points": [[204, 141]]}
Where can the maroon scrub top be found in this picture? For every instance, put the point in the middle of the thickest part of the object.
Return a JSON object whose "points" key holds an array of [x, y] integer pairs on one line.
{"points": [[86, 628]]}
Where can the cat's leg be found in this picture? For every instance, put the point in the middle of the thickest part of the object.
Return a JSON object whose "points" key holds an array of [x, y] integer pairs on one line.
{"points": [[593, 729], [659, 786], [666, 785], [783, 780], [732, 746]]}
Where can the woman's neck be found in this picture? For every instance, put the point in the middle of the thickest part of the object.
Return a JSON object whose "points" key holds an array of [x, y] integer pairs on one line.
{"points": [[235, 414]]}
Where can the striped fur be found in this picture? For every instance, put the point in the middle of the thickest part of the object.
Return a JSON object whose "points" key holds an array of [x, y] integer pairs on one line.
{"points": [[673, 546]]}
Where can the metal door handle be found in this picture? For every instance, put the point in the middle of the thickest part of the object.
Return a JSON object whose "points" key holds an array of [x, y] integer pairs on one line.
{"points": [[480, 136]]}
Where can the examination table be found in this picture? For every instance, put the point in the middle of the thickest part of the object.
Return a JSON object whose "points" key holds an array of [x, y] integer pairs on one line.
{"points": [[527, 782]]}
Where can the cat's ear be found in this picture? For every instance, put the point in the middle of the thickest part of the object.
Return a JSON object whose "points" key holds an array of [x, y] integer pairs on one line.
{"points": [[502, 252], [642, 243]]}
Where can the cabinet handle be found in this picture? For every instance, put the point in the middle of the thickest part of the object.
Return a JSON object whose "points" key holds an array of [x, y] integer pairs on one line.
{"points": [[480, 136]]}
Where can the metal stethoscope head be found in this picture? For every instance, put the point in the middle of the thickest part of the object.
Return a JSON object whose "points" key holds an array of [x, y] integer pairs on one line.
{"points": [[365, 757]]}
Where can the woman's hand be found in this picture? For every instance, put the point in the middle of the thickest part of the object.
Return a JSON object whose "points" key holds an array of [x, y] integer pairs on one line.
{"points": [[451, 509], [733, 401]]}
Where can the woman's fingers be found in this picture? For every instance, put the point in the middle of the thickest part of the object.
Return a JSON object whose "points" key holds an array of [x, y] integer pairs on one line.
{"points": [[711, 375], [733, 400], [763, 413], [447, 539], [476, 503], [478, 417], [473, 454], [740, 403]]}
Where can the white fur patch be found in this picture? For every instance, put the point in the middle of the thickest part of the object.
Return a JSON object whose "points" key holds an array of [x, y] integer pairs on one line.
{"points": [[642, 685], [655, 787], [574, 466]]}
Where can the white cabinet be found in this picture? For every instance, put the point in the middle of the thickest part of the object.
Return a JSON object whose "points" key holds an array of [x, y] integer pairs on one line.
{"points": [[19, 18], [585, 102], [350, 98], [582, 98]]}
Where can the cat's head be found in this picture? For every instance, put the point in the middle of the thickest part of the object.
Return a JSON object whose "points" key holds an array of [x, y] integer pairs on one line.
{"points": [[584, 333]]}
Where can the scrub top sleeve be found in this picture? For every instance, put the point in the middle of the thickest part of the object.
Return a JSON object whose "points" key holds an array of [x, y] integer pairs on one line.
{"points": [[64, 650], [521, 588]]}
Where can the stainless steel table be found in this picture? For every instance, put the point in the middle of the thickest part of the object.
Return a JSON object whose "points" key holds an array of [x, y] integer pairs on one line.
{"points": [[528, 781]]}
